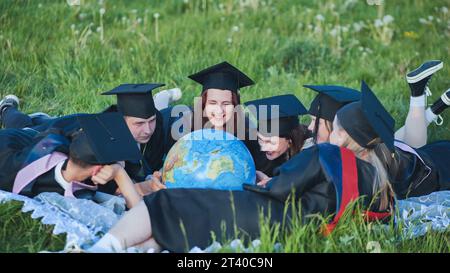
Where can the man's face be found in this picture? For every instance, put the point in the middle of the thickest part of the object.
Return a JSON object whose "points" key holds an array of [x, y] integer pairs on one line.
{"points": [[141, 129]]}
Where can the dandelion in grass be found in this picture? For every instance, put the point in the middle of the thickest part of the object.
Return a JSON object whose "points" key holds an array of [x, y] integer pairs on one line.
{"points": [[320, 18], [444, 10], [383, 30], [156, 16], [82, 16], [102, 12], [345, 29], [358, 26], [378, 23], [423, 21], [387, 19]]}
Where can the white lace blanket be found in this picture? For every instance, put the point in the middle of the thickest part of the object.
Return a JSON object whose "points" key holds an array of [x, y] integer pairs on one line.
{"points": [[75, 217]]}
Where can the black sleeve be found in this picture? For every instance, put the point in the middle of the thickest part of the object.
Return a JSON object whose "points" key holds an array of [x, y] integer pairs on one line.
{"points": [[15, 145], [302, 174]]}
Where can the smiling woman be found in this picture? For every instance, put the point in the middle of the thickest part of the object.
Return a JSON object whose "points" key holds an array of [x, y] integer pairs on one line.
{"points": [[219, 106]]}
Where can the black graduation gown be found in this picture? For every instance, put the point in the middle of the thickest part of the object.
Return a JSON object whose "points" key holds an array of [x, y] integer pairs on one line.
{"points": [[65, 124], [414, 178], [14, 150], [152, 152], [16, 145], [203, 211], [269, 167]]}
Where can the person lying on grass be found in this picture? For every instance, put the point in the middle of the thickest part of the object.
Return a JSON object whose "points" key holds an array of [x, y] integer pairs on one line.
{"points": [[418, 168], [72, 165]]}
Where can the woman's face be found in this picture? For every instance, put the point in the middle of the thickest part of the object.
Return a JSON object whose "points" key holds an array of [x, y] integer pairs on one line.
{"points": [[218, 107], [273, 146], [338, 136], [323, 133]]}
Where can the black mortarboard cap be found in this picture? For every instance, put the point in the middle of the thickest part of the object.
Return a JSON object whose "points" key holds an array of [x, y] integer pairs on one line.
{"points": [[287, 112], [222, 76], [367, 121], [135, 100], [330, 99], [103, 139]]}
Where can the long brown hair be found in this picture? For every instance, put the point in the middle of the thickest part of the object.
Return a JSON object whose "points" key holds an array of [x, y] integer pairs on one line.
{"points": [[297, 137], [328, 126]]}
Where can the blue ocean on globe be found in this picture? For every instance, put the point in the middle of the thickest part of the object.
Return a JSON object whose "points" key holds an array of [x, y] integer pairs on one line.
{"points": [[209, 159]]}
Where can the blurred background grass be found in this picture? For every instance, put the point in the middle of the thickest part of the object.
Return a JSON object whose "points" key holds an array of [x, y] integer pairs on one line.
{"points": [[58, 58]]}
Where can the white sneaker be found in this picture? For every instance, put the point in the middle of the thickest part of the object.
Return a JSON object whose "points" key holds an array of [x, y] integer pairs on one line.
{"points": [[163, 98]]}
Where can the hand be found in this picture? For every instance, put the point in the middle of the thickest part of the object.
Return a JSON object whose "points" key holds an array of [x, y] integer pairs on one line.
{"points": [[155, 182], [169, 165], [104, 174], [262, 179], [152, 185]]}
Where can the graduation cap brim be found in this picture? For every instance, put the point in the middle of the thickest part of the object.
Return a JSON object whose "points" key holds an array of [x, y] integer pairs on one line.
{"points": [[131, 88], [288, 106], [104, 139], [338, 93], [330, 99], [135, 100], [283, 110], [222, 76]]}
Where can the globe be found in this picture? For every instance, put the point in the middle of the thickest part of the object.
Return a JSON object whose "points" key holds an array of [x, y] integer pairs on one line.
{"points": [[209, 158]]}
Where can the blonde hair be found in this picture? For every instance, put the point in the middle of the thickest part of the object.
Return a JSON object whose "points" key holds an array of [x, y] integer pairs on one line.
{"points": [[382, 184]]}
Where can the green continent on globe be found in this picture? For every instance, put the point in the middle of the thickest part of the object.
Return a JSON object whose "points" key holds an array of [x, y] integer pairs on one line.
{"points": [[220, 165]]}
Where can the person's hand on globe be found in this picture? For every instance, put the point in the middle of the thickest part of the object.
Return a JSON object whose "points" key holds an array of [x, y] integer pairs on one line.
{"points": [[152, 185], [262, 179]]}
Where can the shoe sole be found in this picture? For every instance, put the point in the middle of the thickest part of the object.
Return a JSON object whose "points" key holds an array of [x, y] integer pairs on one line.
{"points": [[424, 74], [39, 114]]}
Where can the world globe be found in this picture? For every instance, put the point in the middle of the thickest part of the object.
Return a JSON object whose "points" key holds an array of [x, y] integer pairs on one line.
{"points": [[209, 158]]}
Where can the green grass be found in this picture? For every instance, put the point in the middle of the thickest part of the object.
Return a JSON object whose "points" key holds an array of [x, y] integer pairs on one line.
{"points": [[20, 233], [55, 60], [352, 235]]}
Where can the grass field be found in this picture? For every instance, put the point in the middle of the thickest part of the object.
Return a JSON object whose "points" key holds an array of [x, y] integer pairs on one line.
{"points": [[57, 58]]}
